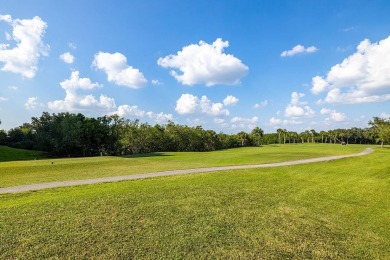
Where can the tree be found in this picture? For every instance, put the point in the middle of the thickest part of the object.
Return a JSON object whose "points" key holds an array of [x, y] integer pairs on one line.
{"points": [[382, 128], [279, 131], [257, 133], [243, 137]]}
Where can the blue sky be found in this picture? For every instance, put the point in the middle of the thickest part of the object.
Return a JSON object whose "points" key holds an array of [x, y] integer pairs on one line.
{"points": [[225, 65]]}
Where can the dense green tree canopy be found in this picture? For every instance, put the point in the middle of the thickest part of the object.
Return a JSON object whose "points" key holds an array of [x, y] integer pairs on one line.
{"points": [[67, 134]]}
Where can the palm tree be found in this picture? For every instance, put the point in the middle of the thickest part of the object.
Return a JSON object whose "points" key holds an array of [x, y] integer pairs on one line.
{"points": [[279, 131], [257, 133]]}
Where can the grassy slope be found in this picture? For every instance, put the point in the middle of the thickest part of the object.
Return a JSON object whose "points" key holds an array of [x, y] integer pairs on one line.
{"points": [[37, 171], [338, 209], [11, 154]]}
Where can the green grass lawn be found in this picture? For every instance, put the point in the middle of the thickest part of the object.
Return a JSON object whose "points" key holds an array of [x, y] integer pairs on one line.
{"points": [[332, 210], [11, 154], [38, 171]]}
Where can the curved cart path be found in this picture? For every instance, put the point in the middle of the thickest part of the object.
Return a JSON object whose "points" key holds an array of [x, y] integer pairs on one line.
{"points": [[40, 186]]}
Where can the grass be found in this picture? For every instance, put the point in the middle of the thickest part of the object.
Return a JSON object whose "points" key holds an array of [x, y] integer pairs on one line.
{"points": [[38, 171], [11, 154], [332, 210]]}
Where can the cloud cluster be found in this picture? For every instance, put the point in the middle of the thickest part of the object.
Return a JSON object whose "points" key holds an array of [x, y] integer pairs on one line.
{"points": [[230, 101], [296, 108], [205, 63], [333, 115], [362, 77], [190, 104], [28, 34], [134, 111], [261, 104], [67, 58], [74, 102], [118, 71], [297, 50]]}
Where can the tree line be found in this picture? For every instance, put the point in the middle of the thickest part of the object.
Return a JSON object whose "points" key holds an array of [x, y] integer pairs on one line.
{"points": [[68, 134]]}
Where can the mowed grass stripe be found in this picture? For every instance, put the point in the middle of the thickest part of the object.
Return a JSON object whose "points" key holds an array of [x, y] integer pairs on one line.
{"points": [[40, 186], [39, 171], [337, 209]]}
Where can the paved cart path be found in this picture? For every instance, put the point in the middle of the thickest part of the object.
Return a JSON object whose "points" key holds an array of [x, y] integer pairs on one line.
{"points": [[40, 186]]}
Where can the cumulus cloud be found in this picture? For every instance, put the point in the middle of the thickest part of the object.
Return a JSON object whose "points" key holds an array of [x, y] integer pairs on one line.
{"points": [[205, 63], [298, 49], [31, 103], [242, 122], [156, 82], [238, 119], [67, 58], [325, 111], [118, 71], [75, 82], [261, 104], [190, 104], [126, 110], [297, 108], [230, 100], [219, 121], [160, 117], [134, 111], [333, 115], [297, 111], [3, 99], [337, 116], [28, 34], [362, 77], [275, 121], [74, 102]]}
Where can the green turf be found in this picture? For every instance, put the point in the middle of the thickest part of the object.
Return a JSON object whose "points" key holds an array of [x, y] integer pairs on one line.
{"points": [[12, 154], [330, 210], [38, 171]]}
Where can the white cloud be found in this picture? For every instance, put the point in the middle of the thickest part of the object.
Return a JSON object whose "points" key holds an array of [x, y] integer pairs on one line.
{"points": [[205, 63], [156, 82], [275, 121], [337, 117], [298, 49], [74, 102], [292, 122], [32, 103], [67, 58], [72, 45], [384, 115], [190, 104], [160, 117], [238, 119], [75, 82], [261, 104], [3, 99], [118, 71], [126, 110], [296, 111], [362, 77], [297, 108], [134, 111], [333, 115], [195, 122], [325, 111], [318, 85], [219, 121], [295, 96], [230, 100], [23, 58], [14, 88]]}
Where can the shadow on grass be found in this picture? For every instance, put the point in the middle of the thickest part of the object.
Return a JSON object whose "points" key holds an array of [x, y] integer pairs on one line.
{"points": [[145, 155]]}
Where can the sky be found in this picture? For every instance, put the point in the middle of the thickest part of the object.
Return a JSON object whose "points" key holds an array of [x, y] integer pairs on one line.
{"points": [[225, 65]]}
